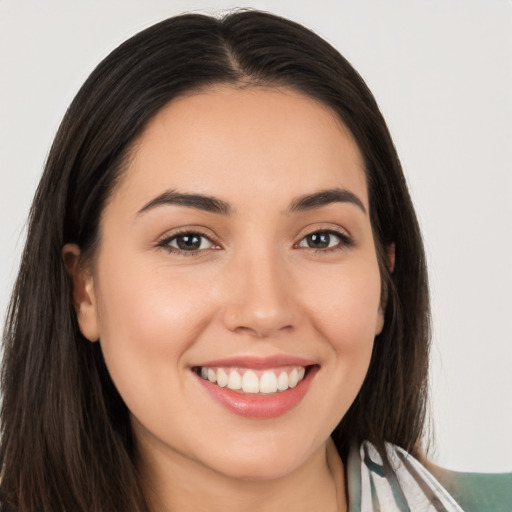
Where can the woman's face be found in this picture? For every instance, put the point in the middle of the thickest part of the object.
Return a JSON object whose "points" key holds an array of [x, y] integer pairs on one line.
{"points": [[237, 248]]}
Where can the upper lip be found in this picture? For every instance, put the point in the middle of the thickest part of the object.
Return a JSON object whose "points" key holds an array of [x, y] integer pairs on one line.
{"points": [[258, 363]]}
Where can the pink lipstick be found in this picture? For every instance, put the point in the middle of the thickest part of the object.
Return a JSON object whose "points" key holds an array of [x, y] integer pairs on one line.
{"points": [[256, 387]]}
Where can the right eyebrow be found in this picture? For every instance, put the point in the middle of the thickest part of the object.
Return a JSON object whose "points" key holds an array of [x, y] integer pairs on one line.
{"points": [[197, 201]]}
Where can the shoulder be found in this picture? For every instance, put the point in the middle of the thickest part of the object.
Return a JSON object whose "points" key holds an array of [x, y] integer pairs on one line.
{"points": [[477, 492]]}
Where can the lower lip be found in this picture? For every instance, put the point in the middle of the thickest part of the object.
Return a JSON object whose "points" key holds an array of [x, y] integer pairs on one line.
{"points": [[260, 406]]}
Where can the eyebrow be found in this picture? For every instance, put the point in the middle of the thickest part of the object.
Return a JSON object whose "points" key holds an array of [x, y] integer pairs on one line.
{"points": [[214, 205], [324, 198], [197, 201]]}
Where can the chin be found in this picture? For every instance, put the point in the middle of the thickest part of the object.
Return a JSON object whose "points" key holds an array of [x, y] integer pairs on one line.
{"points": [[249, 461], [257, 470]]}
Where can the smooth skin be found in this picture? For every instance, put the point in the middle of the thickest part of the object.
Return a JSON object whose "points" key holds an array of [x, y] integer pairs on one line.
{"points": [[256, 283]]}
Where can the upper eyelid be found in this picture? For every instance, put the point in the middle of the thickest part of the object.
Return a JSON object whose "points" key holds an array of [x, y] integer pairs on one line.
{"points": [[169, 235], [335, 232], [345, 239], [322, 227]]}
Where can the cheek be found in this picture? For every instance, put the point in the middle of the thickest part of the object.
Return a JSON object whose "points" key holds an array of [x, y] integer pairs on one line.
{"points": [[345, 306], [147, 322], [344, 309]]}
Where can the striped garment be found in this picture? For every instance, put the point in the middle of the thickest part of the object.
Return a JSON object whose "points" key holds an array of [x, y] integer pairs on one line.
{"points": [[404, 486]]}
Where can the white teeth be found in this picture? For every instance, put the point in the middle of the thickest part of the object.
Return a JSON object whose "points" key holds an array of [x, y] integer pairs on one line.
{"points": [[222, 378], [293, 379], [250, 382], [282, 381], [268, 382], [235, 381]]}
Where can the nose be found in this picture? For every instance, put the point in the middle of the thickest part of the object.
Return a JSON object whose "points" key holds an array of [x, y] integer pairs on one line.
{"points": [[262, 299]]}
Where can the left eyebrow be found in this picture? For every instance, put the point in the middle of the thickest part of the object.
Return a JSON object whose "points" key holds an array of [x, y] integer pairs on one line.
{"points": [[325, 197]]}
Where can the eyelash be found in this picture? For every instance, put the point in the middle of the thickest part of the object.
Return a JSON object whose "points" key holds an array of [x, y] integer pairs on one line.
{"points": [[345, 242], [165, 243]]}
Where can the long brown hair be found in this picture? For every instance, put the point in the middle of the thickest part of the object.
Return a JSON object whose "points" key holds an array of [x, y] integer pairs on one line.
{"points": [[66, 439]]}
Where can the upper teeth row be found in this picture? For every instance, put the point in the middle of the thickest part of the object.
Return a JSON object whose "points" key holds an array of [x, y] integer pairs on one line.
{"points": [[268, 382]]}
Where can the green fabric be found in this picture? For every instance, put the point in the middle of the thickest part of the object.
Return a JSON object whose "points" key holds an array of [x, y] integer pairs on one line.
{"points": [[477, 492]]}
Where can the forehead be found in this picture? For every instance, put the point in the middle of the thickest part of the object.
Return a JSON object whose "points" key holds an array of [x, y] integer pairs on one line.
{"points": [[240, 142]]}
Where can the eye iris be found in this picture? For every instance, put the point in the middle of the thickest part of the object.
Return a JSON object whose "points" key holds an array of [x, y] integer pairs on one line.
{"points": [[188, 242], [318, 240]]}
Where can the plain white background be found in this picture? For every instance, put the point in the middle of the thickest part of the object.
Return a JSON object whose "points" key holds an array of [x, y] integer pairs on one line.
{"points": [[442, 74]]}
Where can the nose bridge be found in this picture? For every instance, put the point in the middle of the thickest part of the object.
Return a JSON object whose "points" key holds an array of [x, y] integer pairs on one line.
{"points": [[261, 300]]}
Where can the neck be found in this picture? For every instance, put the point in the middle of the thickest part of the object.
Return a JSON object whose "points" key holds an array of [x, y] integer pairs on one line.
{"points": [[174, 483]]}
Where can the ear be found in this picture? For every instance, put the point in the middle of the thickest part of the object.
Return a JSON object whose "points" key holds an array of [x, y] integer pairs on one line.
{"points": [[379, 324], [390, 251], [390, 254], [84, 299]]}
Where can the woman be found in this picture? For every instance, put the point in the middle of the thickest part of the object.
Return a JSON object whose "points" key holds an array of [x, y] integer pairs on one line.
{"points": [[222, 303]]}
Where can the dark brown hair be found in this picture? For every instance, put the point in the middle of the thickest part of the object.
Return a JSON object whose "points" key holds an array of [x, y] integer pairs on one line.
{"points": [[66, 440]]}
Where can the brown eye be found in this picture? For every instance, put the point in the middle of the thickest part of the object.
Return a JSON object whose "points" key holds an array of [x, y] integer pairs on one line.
{"points": [[325, 240], [318, 240], [189, 242]]}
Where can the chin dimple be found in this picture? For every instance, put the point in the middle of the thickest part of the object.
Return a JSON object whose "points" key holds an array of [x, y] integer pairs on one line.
{"points": [[254, 381]]}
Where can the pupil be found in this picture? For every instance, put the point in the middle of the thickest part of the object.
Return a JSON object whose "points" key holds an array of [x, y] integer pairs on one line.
{"points": [[189, 242], [319, 240]]}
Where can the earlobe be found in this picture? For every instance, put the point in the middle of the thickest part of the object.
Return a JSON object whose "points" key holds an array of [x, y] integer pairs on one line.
{"points": [[84, 299]]}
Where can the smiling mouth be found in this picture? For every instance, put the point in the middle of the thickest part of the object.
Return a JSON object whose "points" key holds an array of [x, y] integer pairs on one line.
{"points": [[259, 388], [254, 381]]}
